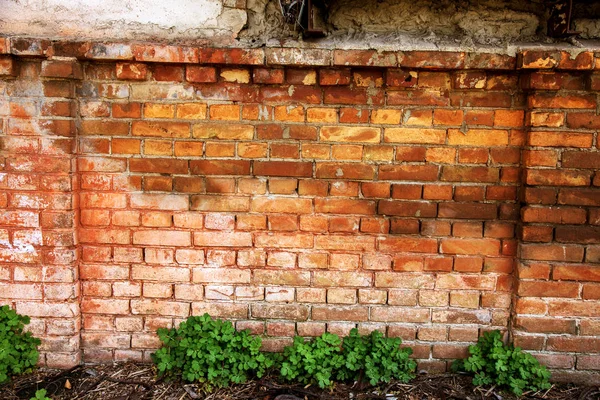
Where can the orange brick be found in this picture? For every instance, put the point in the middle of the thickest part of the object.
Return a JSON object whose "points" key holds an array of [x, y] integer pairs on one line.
{"points": [[349, 134], [289, 113], [156, 110], [252, 150], [411, 135], [225, 112], [158, 147], [447, 117], [125, 146], [324, 115], [191, 111], [213, 149], [194, 149], [386, 116]]}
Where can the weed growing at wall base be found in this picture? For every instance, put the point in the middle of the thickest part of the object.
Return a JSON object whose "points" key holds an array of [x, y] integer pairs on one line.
{"points": [[18, 349], [316, 361], [494, 363], [372, 357], [380, 359], [211, 351]]}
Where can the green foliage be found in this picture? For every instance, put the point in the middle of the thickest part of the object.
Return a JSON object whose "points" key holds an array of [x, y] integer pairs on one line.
{"points": [[18, 349], [379, 358], [40, 395], [211, 351], [494, 363], [325, 359], [314, 361]]}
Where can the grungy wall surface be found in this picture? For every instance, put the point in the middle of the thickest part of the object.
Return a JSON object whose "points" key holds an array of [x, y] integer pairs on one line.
{"points": [[132, 19], [401, 24]]}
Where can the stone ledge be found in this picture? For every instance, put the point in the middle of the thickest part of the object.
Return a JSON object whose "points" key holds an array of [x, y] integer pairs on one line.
{"points": [[537, 58]]}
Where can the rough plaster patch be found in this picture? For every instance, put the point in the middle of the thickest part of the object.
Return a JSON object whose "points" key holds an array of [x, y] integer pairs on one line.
{"points": [[484, 22], [589, 28], [405, 24]]}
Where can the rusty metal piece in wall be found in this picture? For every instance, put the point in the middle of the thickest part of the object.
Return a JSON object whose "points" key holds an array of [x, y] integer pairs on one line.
{"points": [[559, 22], [315, 25]]}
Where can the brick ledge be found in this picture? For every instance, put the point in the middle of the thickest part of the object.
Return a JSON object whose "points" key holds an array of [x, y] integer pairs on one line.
{"points": [[531, 59]]}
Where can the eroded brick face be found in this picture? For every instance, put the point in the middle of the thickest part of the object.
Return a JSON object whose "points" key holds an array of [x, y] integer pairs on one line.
{"points": [[428, 195]]}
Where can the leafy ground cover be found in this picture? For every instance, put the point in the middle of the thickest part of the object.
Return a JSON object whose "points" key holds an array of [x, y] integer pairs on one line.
{"points": [[132, 381]]}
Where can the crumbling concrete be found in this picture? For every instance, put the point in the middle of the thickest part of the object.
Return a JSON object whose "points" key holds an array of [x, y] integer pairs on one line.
{"points": [[116, 19]]}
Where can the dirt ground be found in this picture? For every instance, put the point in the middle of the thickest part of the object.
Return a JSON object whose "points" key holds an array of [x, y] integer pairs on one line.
{"points": [[133, 381]]}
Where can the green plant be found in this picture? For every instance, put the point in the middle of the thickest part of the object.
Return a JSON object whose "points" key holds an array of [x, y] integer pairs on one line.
{"points": [[41, 395], [378, 358], [313, 362], [210, 351], [494, 363], [327, 359], [18, 349]]}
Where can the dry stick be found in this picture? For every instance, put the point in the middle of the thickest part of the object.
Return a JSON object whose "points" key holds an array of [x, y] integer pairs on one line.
{"points": [[128, 382]]}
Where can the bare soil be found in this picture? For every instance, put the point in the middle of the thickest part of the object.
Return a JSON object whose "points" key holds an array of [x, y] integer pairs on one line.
{"points": [[132, 381]]}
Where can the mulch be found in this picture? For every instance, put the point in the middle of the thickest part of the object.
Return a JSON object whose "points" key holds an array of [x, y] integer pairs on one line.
{"points": [[134, 381]]}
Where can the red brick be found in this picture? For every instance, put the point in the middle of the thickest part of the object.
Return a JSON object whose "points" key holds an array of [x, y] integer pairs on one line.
{"points": [[553, 100], [556, 215], [407, 209], [132, 71], [413, 245], [552, 252], [346, 171], [418, 98], [406, 191], [283, 168], [364, 58], [574, 344], [577, 234], [61, 69], [560, 139], [331, 77], [581, 197], [303, 94], [538, 59], [375, 189], [281, 205], [583, 60], [470, 174], [557, 177], [464, 282], [283, 240], [268, 75], [432, 60], [345, 242], [231, 56], [294, 312], [467, 210], [348, 95], [218, 167], [470, 246], [344, 206], [548, 289], [553, 81], [409, 172], [353, 115]]}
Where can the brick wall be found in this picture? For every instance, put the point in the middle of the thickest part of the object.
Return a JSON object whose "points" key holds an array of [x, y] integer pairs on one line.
{"points": [[301, 191]]}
